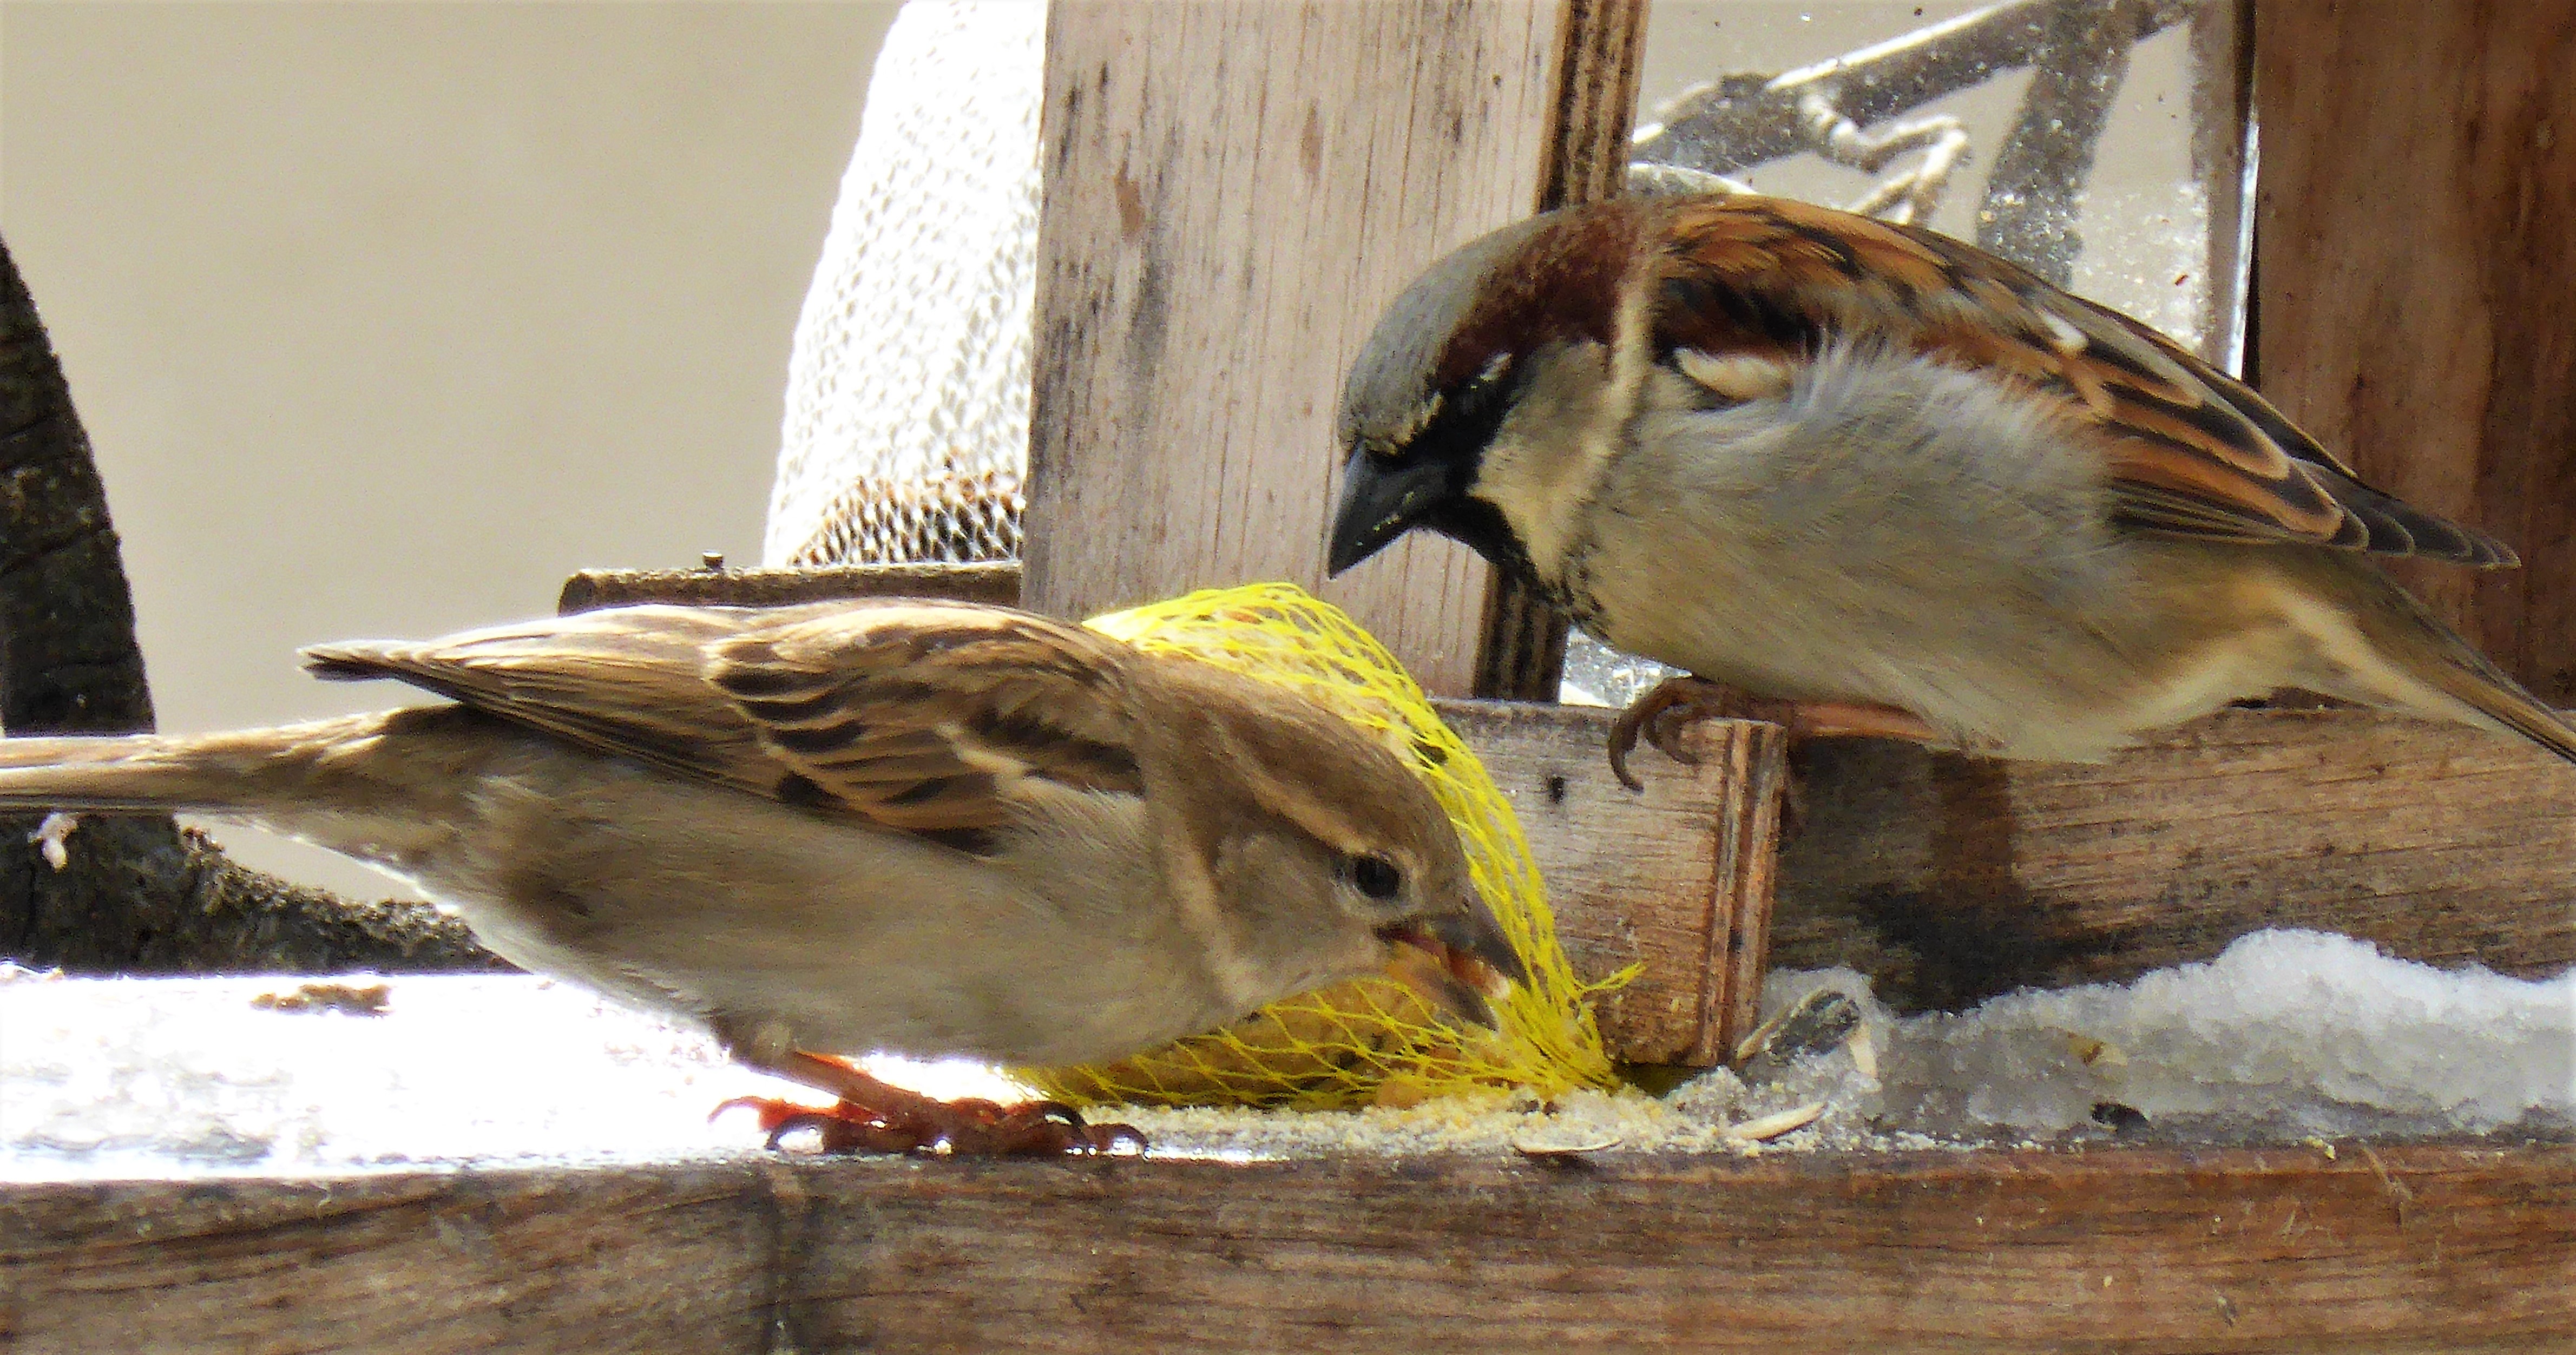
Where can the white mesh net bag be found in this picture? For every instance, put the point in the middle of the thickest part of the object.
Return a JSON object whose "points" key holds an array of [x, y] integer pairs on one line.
{"points": [[907, 424]]}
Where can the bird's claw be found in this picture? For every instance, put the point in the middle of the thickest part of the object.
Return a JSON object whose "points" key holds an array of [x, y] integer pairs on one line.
{"points": [[967, 1128], [1659, 717], [1679, 702]]}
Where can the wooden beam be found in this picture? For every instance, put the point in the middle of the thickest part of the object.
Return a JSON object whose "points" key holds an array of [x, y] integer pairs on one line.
{"points": [[2447, 1248], [1521, 655], [1234, 189], [1950, 879], [995, 585], [1677, 879], [2418, 296]]}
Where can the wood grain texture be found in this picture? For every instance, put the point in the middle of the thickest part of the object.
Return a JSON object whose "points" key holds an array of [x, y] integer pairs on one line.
{"points": [[671, 1258], [1234, 189], [1677, 879], [995, 584], [1600, 56], [1951, 879], [2418, 294], [2222, 81], [2448, 1248]]}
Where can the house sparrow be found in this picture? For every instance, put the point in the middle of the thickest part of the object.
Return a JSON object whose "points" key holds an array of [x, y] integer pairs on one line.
{"points": [[926, 828], [1864, 479]]}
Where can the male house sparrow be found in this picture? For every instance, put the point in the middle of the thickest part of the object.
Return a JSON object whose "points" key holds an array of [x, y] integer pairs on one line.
{"points": [[916, 827], [1864, 479]]}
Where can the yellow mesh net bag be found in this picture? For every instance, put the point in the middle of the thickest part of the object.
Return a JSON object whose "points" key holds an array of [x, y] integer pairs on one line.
{"points": [[1371, 1041]]}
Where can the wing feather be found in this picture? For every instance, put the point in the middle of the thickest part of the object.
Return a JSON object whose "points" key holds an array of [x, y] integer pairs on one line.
{"points": [[2193, 451], [931, 717]]}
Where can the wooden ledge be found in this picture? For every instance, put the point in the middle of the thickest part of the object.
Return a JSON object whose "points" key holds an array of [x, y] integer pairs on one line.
{"points": [[1950, 879], [2440, 1247], [995, 584]]}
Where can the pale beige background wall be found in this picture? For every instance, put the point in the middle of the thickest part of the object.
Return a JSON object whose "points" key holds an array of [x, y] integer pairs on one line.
{"points": [[384, 317]]}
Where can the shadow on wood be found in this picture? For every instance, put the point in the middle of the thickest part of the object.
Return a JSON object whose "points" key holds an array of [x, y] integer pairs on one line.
{"points": [[1950, 879]]}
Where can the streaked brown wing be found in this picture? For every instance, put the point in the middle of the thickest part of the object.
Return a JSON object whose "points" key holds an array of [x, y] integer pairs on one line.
{"points": [[2193, 451], [925, 716]]}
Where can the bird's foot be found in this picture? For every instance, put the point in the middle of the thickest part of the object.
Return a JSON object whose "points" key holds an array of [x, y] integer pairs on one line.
{"points": [[967, 1128], [872, 1116], [1660, 715]]}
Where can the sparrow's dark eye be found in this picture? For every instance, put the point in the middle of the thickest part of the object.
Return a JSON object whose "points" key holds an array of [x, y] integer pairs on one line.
{"points": [[1479, 390], [1376, 877]]}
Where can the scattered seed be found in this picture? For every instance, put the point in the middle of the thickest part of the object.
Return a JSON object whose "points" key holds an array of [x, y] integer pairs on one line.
{"points": [[1770, 1127]]}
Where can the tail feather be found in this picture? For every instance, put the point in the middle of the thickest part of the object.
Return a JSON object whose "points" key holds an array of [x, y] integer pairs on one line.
{"points": [[2457, 681], [2499, 698], [218, 774], [136, 773]]}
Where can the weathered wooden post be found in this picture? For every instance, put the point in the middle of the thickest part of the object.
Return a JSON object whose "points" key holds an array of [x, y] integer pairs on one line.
{"points": [[1233, 190], [2417, 290]]}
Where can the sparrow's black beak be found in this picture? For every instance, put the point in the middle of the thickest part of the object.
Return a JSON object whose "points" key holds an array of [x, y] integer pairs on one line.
{"points": [[1460, 962], [1379, 501]]}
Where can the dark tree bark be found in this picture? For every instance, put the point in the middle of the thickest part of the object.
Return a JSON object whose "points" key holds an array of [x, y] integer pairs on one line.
{"points": [[133, 894], [69, 665]]}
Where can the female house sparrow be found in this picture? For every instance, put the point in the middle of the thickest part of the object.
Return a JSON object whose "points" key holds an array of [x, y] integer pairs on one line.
{"points": [[917, 827], [1865, 479]]}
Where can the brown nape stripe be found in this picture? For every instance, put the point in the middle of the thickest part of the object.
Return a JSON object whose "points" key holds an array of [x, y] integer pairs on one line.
{"points": [[1074, 670]]}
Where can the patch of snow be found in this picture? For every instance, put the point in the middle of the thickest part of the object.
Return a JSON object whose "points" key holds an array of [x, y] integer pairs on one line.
{"points": [[2286, 1036]]}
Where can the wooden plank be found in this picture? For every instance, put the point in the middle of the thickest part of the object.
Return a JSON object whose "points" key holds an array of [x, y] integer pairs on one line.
{"points": [[672, 1258], [1599, 58], [2418, 298], [2222, 136], [1950, 879], [1677, 879], [996, 585], [1234, 189], [2428, 1247]]}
